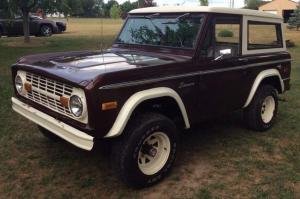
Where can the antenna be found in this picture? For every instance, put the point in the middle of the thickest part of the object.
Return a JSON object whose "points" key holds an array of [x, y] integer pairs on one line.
{"points": [[101, 38], [231, 3]]}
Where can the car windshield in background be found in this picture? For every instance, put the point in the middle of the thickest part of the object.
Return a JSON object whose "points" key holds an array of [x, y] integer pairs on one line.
{"points": [[176, 31]]}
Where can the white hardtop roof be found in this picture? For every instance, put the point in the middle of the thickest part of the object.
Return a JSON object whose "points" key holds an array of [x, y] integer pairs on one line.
{"points": [[180, 9]]}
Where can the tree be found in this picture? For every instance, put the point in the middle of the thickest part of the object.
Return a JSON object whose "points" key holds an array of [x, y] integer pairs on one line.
{"points": [[107, 7], [24, 7], [88, 8], [253, 4], [48, 6], [63, 6], [145, 3], [203, 2], [126, 7], [4, 9], [75, 7], [115, 11], [294, 20], [98, 8]]}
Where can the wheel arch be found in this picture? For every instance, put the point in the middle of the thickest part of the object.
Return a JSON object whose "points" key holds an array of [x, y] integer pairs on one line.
{"points": [[142, 98], [269, 76], [45, 24]]}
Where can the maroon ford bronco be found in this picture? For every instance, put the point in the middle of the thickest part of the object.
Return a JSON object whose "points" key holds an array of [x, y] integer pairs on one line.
{"points": [[169, 68]]}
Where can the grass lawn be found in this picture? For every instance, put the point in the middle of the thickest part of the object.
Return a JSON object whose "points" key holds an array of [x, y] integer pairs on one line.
{"points": [[221, 159]]}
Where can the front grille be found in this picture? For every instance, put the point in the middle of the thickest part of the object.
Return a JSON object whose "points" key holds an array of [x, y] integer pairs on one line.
{"points": [[47, 92]]}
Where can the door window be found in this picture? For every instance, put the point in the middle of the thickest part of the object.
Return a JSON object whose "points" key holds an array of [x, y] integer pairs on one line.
{"points": [[223, 38]]}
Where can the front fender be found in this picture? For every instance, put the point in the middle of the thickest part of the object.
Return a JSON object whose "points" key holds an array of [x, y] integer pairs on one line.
{"points": [[137, 98]]}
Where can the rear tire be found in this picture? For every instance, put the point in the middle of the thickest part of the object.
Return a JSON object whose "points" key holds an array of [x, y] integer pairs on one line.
{"points": [[261, 113], [1, 32], [48, 134], [46, 30], [146, 151]]}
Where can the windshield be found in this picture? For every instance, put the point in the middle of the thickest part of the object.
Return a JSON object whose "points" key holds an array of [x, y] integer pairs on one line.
{"points": [[172, 31]]}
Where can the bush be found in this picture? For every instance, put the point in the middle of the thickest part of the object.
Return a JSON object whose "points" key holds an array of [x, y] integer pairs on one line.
{"points": [[225, 33]]}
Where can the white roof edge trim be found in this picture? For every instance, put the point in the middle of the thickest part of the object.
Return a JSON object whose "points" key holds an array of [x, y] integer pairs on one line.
{"points": [[174, 9]]}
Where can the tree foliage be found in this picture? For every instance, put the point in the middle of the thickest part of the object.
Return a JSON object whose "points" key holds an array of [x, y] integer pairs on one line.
{"points": [[294, 20], [127, 6], [84, 8], [115, 11], [4, 8], [253, 4], [107, 7], [203, 2], [79, 8], [145, 3]]}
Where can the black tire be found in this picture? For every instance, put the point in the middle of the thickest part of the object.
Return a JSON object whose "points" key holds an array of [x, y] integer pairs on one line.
{"points": [[1, 32], [48, 134], [126, 150], [46, 30], [253, 114]]}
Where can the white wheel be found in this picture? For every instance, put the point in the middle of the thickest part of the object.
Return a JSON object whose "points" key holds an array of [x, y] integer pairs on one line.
{"points": [[154, 153], [145, 153], [261, 113], [268, 108]]}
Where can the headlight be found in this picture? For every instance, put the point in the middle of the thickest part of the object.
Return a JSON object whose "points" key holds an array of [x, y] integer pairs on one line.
{"points": [[76, 106], [19, 84]]}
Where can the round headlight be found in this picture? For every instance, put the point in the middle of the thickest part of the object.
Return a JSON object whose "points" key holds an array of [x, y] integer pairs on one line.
{"points": [[76, 106], [19, 84]]}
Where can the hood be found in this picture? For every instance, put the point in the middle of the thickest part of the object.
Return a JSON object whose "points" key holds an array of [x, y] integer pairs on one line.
{"points": [[86, 66]]}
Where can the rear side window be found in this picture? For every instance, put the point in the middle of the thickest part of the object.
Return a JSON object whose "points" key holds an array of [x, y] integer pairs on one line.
{"points": [[263, 35]]}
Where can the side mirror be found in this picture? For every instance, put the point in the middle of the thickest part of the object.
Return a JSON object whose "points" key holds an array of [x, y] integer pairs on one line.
{"points": [[223, 53]]}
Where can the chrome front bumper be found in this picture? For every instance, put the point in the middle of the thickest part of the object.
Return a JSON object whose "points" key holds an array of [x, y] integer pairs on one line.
{"points": [[66, 132]]}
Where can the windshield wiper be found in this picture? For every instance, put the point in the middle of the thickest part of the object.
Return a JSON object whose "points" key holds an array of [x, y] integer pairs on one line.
{"points": [[152, 15], [177, 19], [182, 16]]}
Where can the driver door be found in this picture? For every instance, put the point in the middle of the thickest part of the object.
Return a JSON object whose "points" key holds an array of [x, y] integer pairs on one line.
{"points": [[222, 84]]}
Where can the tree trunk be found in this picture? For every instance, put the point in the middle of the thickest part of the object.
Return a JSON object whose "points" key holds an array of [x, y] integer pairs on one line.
{"points": [[26, 26]]}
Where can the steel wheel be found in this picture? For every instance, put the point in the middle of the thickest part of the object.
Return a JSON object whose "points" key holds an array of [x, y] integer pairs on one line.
{"points": [[268, 108], [261, 113], [145, 153], [154, 153]]}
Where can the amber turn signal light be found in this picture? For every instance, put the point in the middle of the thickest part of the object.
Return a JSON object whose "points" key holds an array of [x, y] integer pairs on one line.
{"points": [[109, 105], [28, 87], [64, 101]]}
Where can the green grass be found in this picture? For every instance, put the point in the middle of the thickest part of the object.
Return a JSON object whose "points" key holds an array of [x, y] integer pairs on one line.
{"points": [[221, 159]]}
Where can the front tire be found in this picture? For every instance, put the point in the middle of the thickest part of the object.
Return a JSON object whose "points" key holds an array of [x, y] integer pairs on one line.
{"points": [[46, 30], [261, 113], [146, 151]]}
